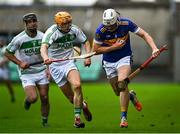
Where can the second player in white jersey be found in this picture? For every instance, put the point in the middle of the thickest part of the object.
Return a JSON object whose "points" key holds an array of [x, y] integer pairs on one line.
{"points": [[23, 50], [58, 43]]}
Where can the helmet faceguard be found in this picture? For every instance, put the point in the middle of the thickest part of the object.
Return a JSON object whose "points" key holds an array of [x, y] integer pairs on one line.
{"points": [[63, 20], [110, 18]]}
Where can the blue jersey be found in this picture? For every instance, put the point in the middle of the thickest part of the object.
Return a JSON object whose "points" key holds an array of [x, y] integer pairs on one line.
{"points": [[121, 34]]}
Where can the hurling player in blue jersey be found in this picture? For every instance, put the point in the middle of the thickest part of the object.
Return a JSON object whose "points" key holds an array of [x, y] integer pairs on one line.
{"points": [[112, 39]]}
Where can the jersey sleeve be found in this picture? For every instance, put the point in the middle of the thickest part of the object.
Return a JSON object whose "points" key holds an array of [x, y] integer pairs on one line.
{"points": [[48, 37], [133, 27], [98, 38], [81, 37], [13, 46]]}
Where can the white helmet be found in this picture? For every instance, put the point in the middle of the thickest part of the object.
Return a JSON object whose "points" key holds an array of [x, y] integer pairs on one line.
{"points": [[109, 17]]}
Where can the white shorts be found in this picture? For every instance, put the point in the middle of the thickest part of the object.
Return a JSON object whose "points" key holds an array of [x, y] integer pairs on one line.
{"points": [[33, 79], [59, 71], [4, 74], [111, 68]]}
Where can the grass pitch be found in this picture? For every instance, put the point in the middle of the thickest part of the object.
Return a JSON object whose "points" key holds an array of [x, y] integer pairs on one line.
{"points": [[161, 110]]}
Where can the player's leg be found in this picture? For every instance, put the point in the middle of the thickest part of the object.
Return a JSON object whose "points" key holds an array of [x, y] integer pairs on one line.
{"points": [[113, 81], [133, 98], [68, 92], [74, 79], [42, 84], [29, 85], [132, 94], [123, 72], [60, 76], [112, 75], [10, 89], [45, 106], [31, 96]]}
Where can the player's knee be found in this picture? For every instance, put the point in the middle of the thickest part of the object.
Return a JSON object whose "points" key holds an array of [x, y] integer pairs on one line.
{"points": [[77, 86], [120, 87], [33, 99]]}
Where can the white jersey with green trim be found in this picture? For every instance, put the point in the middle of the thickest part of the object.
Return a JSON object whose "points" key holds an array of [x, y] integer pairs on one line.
{"points": [[61, 44], [27, 49]]}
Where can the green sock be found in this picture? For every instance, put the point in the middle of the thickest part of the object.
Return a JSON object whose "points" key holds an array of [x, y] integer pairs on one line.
{"points": [[77, 112]]}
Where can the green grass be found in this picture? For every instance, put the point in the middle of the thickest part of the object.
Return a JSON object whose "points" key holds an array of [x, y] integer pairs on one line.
{"points": [[161, 110]]}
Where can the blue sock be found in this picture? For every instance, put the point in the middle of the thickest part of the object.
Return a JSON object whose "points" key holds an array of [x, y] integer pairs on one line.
{"points": [[124, 114]]}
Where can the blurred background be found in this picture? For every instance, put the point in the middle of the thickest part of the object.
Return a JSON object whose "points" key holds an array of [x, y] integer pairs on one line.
{"points": [[160, 18]]}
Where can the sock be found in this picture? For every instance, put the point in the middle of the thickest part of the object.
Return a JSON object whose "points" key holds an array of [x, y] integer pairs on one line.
{"points": [[77, 112], [123, 112]]}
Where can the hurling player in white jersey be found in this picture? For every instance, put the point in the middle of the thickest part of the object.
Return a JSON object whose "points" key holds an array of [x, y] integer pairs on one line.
{"points": [[58, 43], [113, 41], [23, 50], [4, 69]]}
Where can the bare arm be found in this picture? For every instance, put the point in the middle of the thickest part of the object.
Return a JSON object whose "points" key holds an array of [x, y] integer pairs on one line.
{"points": [[13, 58], [149, 40], [88, 48], [44, 54]]}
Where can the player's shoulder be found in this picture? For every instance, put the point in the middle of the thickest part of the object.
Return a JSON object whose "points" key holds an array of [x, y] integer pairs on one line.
{"points": [[40, 33], [124, 21], [75, 28], [101, 29], [52, 29], [19, 36]]}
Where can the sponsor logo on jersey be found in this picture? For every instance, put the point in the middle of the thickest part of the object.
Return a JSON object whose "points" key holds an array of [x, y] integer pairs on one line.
{"points": [[31, 47]]}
